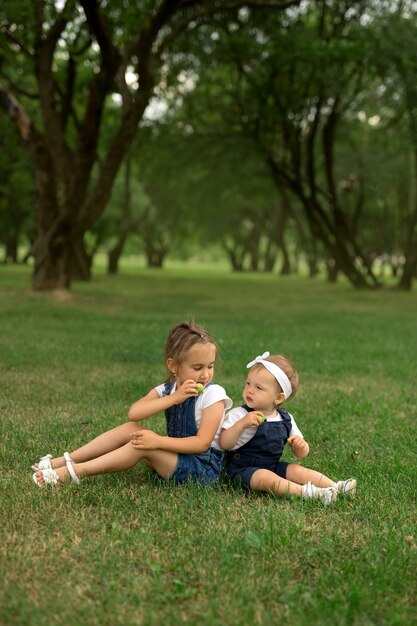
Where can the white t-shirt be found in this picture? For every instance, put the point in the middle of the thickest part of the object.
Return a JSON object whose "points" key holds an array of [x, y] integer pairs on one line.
{"points": [[236, 414], [211, 394]]}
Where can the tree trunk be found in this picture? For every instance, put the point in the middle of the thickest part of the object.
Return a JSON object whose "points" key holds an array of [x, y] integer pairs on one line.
{"points": [[52, 262], [332, 270], [155, 258], [11, 251], [253, 244], [236, 256], [286, 264], [409, 271], [115, 253], [81, 262], [410, 250], [125, 224], [312, 263], [254, 260], [270, 256], [332, 236]]}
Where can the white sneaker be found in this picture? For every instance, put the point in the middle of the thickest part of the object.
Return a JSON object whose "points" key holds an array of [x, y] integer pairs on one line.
{"points": [[327, 495], [347, 487]]}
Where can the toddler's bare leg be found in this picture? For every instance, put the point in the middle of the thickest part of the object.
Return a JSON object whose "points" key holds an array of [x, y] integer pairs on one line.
{"points": [[302, 475], [264, 480]]}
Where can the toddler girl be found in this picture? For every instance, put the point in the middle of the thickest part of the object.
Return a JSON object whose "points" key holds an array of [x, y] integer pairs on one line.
{"points": [[255, 435]]}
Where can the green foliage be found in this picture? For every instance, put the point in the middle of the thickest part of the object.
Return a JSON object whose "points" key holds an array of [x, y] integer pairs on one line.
{"points": [[17, 189], [242, 88], [125, 549], [274, 83]]}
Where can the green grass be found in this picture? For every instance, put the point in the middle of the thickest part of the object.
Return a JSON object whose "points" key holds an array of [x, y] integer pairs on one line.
{"points": [[126, 550]]}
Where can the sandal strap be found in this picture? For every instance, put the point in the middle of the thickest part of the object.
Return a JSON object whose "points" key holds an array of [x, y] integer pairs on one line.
{"points": [[70, 469]]}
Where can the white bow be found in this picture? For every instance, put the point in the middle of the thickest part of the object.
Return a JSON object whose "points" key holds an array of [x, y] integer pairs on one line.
{"points": [[258, 359]]}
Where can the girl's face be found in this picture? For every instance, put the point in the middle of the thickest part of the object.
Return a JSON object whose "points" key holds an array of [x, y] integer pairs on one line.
{"points": [[198, 364], [261, 391]]}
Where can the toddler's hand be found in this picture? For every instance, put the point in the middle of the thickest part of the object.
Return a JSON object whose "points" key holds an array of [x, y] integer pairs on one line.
{"points": [[254, 418], [297, 443], [145, 440], [188, 389]]}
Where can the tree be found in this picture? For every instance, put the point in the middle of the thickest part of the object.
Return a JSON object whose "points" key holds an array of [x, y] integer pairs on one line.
{"points": [[241, 208], [295, 85], [61, 63], [396, 63], [17, 195], [307, 84]]}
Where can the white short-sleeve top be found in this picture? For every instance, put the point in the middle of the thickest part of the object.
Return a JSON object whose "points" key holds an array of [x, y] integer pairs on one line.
{"points": [[212, 393], [236, 414]]}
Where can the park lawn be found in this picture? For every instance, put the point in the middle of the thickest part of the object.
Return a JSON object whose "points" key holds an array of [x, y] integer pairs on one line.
{"points": [[125, 549]]}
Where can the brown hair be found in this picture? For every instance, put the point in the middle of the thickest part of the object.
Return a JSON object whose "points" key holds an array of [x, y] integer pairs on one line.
{"points": [[287, 366], [181, 338]]}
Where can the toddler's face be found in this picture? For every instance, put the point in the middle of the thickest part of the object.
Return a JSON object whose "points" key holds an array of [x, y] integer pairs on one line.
{"points": [[198, 364], [261, 391]]}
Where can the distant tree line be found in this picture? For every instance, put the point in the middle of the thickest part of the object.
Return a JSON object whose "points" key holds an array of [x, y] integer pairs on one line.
{"points": [[280, 132]]}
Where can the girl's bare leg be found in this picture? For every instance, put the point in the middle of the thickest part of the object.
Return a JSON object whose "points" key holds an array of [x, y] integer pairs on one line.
{"points": [[107, 442], [123, 458], [302, 475], [264, 480]]}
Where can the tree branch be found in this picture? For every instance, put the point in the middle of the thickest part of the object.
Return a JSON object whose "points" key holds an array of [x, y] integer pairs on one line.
{"points": [[101, 31], [16, 112], [204, 14]]}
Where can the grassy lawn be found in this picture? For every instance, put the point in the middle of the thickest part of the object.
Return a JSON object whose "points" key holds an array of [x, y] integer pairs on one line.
{"points": [[126, 550]]}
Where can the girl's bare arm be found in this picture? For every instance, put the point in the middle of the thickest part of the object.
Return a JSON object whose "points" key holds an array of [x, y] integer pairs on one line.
{"points": [[210, 421], [152, 403]]}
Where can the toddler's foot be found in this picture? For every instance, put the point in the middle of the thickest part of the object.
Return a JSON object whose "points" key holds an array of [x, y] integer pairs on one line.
{"points": [[327, 495], [346, 487]]}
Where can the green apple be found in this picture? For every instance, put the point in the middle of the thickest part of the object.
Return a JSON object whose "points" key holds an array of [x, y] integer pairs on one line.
{"points": [[200, 388], [261, 418]]}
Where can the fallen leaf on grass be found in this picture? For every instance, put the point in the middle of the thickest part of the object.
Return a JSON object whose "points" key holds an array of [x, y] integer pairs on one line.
{"points": [[410, 539]]}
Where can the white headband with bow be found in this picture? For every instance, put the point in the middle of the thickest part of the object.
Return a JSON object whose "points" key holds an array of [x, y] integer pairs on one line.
{"points": [[276, 372]]}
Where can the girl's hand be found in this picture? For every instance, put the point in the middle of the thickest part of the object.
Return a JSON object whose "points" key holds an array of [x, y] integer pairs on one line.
{"points": [[297, 443], [145, 440], [188, 389], [254, 418]]}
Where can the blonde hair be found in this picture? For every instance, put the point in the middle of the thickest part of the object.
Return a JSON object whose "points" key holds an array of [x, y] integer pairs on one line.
{"points": [[287, 366], [181, 338]]}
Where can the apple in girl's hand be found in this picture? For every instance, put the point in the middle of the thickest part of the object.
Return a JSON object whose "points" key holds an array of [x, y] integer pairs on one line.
{"points": [[200, 388], [261, 418]]}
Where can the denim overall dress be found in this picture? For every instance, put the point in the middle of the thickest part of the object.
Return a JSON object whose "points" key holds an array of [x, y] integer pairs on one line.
{"points": [[204, 467], [263, 451]]}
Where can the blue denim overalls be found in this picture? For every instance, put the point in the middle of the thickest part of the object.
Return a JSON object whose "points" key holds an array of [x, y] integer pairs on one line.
{"points": [[204, 467], [263, 451]]}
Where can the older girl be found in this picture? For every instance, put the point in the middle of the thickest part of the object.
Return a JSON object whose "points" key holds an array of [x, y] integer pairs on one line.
{"points": [[194, 409]]}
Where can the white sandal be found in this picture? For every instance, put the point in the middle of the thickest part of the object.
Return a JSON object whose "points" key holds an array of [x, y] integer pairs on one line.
{"points": [[69, 462], [50, 476], [43, 464]]}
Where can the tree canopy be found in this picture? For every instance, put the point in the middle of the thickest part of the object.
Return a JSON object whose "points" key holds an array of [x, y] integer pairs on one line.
{"points": [[259, 122]]}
